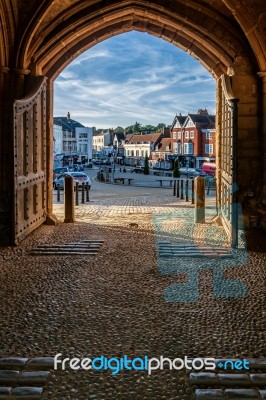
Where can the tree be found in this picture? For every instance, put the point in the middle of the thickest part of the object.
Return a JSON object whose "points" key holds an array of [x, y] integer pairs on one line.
{"points": [[129, 129], [137, 127], [149, 128], [146, 166], [119, 129], [176, 173], [160, 126]]}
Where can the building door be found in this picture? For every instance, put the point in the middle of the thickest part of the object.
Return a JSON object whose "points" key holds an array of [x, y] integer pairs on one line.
{"points": [[227, 158], [30, 183]]}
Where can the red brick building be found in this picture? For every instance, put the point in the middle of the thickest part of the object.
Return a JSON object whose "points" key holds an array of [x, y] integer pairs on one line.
{"points": [[193, 138]]}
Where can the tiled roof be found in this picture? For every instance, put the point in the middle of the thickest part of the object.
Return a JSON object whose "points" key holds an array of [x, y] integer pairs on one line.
{"points": [[180, 118], [120, 135], [128, 137], [163, 144], [203, 120], [67, 124], [152, 137]]}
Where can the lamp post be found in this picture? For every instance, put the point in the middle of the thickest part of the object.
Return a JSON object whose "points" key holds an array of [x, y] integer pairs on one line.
{"points": [[113, 153]]}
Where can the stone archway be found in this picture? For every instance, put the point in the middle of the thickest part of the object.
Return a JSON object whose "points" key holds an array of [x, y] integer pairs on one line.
{"points": [[42, 38]]}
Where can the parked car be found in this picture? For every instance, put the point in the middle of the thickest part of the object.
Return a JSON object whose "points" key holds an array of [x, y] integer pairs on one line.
{"points": [[106, 162], [192, 172], [183, 170], [138, 170], [78, 167], [60, 171], [79, 177], [209, 168]]}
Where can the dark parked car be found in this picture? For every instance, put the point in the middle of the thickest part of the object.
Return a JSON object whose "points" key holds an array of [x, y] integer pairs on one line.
{"points": [[191, 172], [183, 170], [59, 171], [138, 170], [78, 167]]}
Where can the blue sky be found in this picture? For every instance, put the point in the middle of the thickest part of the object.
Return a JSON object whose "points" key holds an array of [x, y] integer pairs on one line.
{"points": [[133, 77]]}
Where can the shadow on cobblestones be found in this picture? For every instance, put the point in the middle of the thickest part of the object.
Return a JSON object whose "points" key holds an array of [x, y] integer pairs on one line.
{"points": [[112, 304]]}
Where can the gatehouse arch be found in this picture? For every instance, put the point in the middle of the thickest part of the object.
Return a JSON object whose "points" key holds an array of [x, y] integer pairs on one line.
{"points": [[40, 38]]}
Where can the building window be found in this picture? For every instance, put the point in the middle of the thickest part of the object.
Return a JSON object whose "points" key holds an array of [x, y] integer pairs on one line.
{"points": [[209, 148], [83, 135], [132, 153], [208, 135], [179, 135], [187, 134], [188, 148], [174, 135], [191, 134], [179, 148], [142, 153], [137, 153]]}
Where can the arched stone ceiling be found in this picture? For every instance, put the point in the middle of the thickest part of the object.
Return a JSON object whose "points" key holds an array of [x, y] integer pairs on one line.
{"points": [[220, 33]]}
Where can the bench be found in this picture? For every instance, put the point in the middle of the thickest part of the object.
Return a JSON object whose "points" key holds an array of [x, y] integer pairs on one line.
{"points": [[129, 180], [121, 180], [164, 180]]}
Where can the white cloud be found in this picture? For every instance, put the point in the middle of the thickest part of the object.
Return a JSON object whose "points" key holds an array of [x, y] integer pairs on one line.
{"points": [[133, 77]]}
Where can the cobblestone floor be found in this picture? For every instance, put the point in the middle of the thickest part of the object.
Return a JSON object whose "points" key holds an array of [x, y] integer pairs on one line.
{"points": [[112, 304]]}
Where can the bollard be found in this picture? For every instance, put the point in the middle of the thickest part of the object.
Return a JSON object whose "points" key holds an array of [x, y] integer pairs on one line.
{"points": [[208, 187], [69, 199], [87, 192], [186, 189], [77, 193], [192, 192], [177, 188], [83, 193], [182, 190], [174, 192], [58, 193], [200, 200]]}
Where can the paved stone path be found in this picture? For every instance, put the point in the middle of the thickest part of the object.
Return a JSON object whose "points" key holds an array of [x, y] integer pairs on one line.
{"points": [[23, 378], [113, 304]]}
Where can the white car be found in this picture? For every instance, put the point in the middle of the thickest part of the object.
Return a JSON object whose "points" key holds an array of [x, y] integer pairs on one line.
{"points": [[79, 177]]}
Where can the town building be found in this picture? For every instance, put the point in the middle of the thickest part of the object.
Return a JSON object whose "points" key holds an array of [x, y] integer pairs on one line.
{"points": [[102, 139], [160, 154], [72, 141], [193, 138], [118, 146], [138, 146]]}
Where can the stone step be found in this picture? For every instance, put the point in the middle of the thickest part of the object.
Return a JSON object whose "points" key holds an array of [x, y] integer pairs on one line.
{"points": [[26, 393], [13, 362], [226, 379], [24, 379], [19, 364], [62, 253], [12, 377], [85, 247], [229, 394]]}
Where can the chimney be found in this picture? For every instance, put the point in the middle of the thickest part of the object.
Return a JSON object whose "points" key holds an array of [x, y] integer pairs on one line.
{"points": [[68, 115], [202, 111]]}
